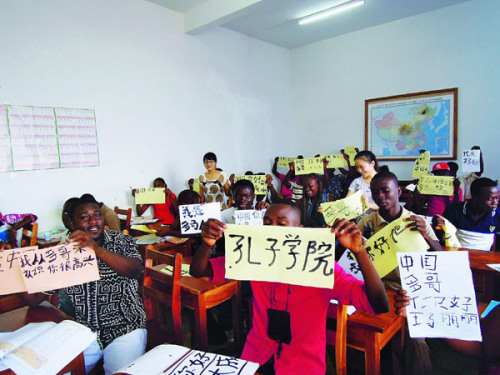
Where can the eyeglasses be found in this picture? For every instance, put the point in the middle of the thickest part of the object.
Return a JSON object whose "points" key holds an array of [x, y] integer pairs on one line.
{"points": [[209, 161]]}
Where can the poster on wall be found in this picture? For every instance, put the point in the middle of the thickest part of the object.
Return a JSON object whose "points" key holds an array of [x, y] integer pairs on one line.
{"points": [[397, 127], [33, 138]]}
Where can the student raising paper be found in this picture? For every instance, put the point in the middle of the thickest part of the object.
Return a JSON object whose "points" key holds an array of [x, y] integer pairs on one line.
{"points": [[304, 307]]}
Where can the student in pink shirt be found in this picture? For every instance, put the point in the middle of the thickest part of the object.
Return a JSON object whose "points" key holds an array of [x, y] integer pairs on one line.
{"points": [[305, 306]]}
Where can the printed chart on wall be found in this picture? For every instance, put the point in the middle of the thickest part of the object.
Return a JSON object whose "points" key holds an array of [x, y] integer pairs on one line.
{"points": [[34, 138]]}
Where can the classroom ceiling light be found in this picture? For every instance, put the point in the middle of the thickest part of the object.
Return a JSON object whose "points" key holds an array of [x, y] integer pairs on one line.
{"points": [[330, 11]]}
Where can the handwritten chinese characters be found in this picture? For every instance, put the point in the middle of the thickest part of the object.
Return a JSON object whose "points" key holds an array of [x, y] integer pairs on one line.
{"points": [[193, 216], [299, 256], [347, 208], [178, 360], [436, 185], [395, 237], [258, 181], [471, 160], [309, 165], [421, 166], [284, 162], [51, 268], [443, 302], [249, 217], [335, 161], [150, 196], [197, 363]]}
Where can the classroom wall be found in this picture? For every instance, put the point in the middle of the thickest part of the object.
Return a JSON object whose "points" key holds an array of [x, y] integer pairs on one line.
{"points": [[457, 46], [162, 98]]}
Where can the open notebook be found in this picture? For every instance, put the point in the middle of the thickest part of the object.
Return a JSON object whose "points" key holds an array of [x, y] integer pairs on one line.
{"points": [[43, 348]]}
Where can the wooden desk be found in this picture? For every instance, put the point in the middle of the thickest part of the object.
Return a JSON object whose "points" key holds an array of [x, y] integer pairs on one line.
{"points": [[200, 295], [15, 319], [484, 276], [370, 333]]}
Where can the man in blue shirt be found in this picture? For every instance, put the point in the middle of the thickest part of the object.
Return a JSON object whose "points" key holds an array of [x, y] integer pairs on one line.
{"points": [[477, 219]]}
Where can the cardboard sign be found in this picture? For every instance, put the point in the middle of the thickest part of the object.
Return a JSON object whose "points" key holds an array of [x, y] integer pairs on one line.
{"points": [[347, 208], [421, 166], [193, 216], [436, 185], [292, 255], [395, 237], [450, 234], [150, 196], [38, 270], [443, 301], [309, 165], [258, 181], [11, 277], [351, 151], [334, 161], [284, 162], [249, 217], [471, 161]]}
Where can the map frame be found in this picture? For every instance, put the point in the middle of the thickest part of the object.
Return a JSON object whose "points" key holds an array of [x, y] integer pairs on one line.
{"points": [[420, 98]]}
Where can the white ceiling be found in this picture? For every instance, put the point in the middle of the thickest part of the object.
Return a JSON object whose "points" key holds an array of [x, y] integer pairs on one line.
{"points": [[273, 21]]}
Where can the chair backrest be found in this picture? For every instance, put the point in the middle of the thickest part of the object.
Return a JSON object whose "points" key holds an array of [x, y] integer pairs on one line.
{"points": [[124, 223], [183, 248], [11, 302], [30, 231], [164, 289], [338, 338]]}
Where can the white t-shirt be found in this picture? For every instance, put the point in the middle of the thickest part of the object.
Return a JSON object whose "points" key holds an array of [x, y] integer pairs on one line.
{"points": [[359, 184]]}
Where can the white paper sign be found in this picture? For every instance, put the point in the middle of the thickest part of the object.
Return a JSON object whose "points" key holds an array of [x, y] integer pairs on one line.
{"points": [[350, 265], [471, 160], [249, 217], [443, 301], [193, 216]]}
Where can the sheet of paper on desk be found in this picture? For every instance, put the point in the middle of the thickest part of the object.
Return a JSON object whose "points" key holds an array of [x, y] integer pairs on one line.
{"points": [[11, 277], [143, 220], [347, 208], [383, 245], [471, 161], [193, 216], [249, 217], [292, 255], [184, 270], [57, 267], [150, 196], [443, 300], [174, 359], [50, 351], [495, 266]]}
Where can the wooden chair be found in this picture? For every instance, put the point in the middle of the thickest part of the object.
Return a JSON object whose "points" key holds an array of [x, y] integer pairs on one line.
{"points": [[124, 223], [338, 338], [14, 301], [164, 291], [183, 248]]}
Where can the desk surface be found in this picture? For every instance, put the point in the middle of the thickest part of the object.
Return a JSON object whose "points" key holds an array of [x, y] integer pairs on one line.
{"points": [[479, 258], [376, 323], [15, 319]]}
